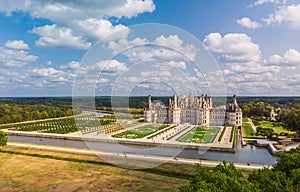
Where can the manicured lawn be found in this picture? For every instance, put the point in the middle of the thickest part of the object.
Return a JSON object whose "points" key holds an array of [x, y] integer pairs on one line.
{"points": [[200, 135], [277, 129], [245, 120], [247, 130], [140, 132]]}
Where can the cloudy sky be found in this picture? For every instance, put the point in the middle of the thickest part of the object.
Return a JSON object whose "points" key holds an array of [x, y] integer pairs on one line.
{"points": [[256, 44]]}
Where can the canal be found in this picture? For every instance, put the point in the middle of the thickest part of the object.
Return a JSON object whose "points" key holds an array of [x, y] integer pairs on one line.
{"points": [[247, 154]]}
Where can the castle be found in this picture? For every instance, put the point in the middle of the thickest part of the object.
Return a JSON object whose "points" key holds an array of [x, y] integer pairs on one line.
{"points": [[193, 110]]}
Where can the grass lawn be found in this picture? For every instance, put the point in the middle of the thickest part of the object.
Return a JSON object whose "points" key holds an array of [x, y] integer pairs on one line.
{"points": [[247, 130], [26, 173], [140, 132], [200, 135], [245, 120], [277, 129]]}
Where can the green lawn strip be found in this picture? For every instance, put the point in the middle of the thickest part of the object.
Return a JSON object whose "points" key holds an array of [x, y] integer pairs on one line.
{"points": [[234, 137], [247, 130], [222, 134], [245, 120], [161, 131], [199, 135], [179, 132], [140, 132]]}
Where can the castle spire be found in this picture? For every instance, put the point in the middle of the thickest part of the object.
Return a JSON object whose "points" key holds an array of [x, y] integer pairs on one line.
{"points": [[234, 101], [149, 102], [175, 101], [191, 94]]}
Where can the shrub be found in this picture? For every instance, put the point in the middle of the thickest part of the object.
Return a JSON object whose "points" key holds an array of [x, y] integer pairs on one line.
{"points": [[3, 138]]}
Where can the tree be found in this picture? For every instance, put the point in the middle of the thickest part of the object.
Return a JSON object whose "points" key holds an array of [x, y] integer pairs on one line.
{"points": [[283, 177], [270, 180], [297, 121], [291, 119], [288, 161], [224, 177], [3, 138]]}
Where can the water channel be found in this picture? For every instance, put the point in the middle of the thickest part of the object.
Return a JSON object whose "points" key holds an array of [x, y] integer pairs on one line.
{"points": [[247, 154]]}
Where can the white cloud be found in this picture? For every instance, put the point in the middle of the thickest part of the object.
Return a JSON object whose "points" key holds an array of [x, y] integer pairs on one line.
{"points": [[53, 36], [162, 48], [102, 80], [46, 72], [248, 23], [289, 14], [121, 44], [290, 58], [71, 65], [99, 28], [134, 7], [153, 74], [49, 75], [179, 64], [15, 58], [84, 17], [260, 2], [64, 11], [233, 47], [16, 44], [244, 71], [153, 53], [108, 67], [174, 42]]}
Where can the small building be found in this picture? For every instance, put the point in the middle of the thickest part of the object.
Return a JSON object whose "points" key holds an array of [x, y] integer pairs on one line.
{"points": [[193, 110], [273, 115]]}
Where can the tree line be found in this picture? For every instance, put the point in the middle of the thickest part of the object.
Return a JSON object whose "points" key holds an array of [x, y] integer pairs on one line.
{"points": [[12, 112], [33, 108], [283, 177]]}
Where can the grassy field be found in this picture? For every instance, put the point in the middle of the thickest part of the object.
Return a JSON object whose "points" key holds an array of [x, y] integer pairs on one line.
{"points": [[200, 135], [27, 173], [140, 132], [277, 129], [248, 130]]}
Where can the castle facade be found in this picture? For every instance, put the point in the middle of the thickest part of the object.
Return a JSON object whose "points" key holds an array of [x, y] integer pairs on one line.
{"points": [[193, 110]]}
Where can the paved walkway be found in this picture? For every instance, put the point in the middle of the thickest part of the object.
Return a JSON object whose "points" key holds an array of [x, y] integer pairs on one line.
{"points": [[225, 142], [139, 156]]}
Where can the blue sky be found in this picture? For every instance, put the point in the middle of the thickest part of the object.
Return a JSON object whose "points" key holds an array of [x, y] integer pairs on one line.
{"points": [[256, 43]]}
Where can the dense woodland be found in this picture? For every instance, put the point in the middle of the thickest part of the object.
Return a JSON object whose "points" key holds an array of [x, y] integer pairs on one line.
{"points": [[28, 109], [283, 177]]}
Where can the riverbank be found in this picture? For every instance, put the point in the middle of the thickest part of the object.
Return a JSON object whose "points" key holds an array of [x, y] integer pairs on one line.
{"points": [[125, 157]]}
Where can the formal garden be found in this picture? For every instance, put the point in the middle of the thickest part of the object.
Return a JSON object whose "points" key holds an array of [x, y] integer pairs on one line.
{"points": [[140, 132], [272, 130], [200, 135]]}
